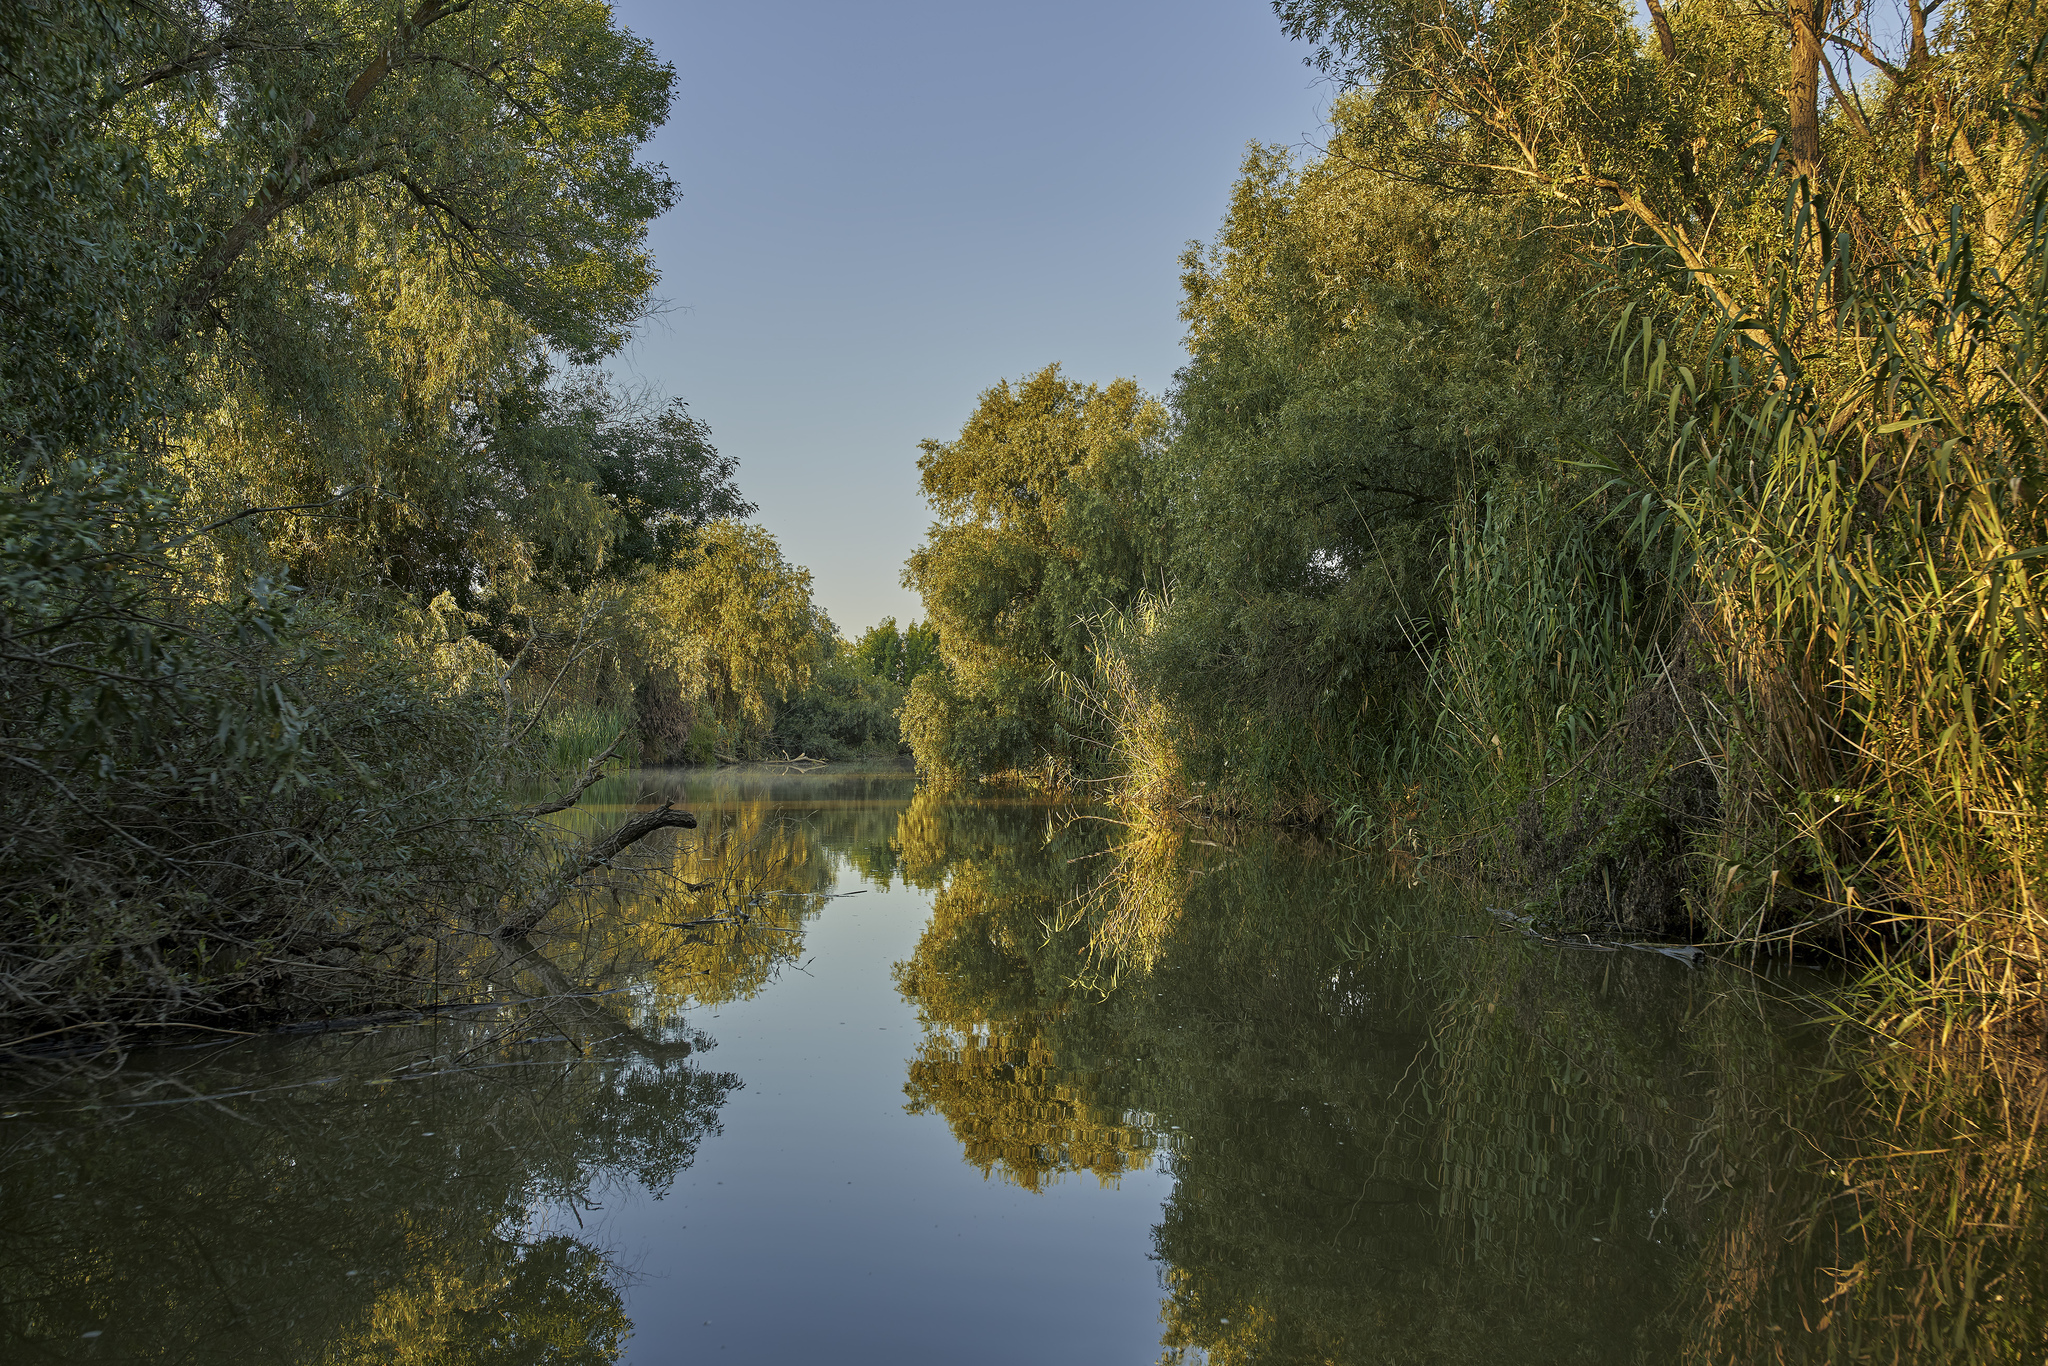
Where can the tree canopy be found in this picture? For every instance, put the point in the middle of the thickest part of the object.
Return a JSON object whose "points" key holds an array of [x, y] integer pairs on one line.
{"points": [[1047, 523]]}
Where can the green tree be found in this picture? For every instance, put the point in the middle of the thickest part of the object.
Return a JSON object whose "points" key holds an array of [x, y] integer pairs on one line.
{"points": [[1047, 522], [374, 223], [597, 486], [848, 710], [75, 275], [497, 138], [736, 629], [1364, 355], [262, 257], [898, 656]]}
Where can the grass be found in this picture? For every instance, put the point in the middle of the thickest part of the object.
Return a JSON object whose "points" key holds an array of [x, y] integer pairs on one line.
{"points": [[581, 731]]}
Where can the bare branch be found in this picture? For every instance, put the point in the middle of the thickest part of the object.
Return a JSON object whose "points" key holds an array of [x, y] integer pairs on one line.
{"points": [[592, 772]]}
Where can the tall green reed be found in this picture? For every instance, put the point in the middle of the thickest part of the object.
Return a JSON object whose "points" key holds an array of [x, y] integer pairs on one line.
{"points": [[1862, 527], [579, 732]]}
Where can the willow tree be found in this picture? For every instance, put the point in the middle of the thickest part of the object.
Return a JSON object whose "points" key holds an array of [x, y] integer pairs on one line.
{"points": [[263, 255], [500, 137], [380, 219], [733, 628], [1821, 224], [1046, 523], [1366, 355]]}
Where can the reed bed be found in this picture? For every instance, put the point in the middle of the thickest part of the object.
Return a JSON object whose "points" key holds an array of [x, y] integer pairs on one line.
{"points": [[1862, 532]]}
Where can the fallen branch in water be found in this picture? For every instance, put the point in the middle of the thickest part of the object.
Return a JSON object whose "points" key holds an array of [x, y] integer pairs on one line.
{"points": [[1692, 955], [592, 772], [595, 854]]}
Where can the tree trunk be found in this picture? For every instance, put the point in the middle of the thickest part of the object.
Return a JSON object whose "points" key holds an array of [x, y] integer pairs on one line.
{"points": [[1665, 43], [1809, 19]]}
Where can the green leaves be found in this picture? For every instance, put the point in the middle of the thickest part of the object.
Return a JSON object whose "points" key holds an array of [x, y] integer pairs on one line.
{"points": [[498, 136], [1051, 518]]}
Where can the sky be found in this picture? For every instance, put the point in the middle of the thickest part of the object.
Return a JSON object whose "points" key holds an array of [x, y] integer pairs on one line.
{"points": [[888, 207]]}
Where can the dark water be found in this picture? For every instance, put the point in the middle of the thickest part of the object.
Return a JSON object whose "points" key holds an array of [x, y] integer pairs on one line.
{"points": [[1040, 1090]]}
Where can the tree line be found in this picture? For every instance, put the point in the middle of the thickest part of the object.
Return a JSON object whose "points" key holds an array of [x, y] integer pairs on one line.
{"points": [[1610, 465], [324, 540]]}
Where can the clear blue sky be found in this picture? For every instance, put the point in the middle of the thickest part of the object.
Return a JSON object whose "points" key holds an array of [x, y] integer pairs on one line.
{"points": [[888, 207]]}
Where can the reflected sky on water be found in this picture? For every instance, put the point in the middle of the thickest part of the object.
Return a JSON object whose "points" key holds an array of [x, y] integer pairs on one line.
{"points": [[876, 1074]]}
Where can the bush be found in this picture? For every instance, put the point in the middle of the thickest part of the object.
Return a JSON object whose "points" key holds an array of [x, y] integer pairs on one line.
{"points": [[847, 712], [244, 809]]}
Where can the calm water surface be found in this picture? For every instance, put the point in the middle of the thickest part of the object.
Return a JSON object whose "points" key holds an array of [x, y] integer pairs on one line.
{"points": [[996, 1081]]}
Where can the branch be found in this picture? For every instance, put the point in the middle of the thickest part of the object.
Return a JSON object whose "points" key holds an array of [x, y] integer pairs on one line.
{"points": [[595, 854], [1854, 107], [429, 13], [592, 771], [516, 954], [1731, 308], [427, 199], [577, 649], [171, 70], [271, 201], [343, 496], [1863, 48]]}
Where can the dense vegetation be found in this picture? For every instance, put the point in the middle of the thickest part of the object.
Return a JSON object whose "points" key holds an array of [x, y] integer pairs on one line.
{"points": [[1610, 466], [1045, 527], [321, 537]]}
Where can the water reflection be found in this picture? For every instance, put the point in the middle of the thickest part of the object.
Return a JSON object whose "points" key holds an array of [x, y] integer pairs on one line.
{"points": [[1396, 1135], [711, 915], [1393, 1133], [386, 1197], [420, 1193], [992, 981]]}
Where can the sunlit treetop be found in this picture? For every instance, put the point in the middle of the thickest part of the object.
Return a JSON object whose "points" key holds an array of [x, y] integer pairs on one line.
{"points": [[1028, 442], [501, 137]]}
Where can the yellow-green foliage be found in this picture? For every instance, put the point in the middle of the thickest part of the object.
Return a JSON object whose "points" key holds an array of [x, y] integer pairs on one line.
{"points": [[1868, 555], [1044, 525], [1613, 460], [301, 537], [736, 627], [1829, 310], [1364, 354]]}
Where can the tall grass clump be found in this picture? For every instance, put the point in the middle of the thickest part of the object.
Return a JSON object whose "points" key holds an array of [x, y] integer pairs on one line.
{"points": [[1567, 759], [1865, 532], [579, 732], [1134, 736]]}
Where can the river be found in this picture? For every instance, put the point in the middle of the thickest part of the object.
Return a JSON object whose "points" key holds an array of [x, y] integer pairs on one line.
{"points": [[876, 1074]]}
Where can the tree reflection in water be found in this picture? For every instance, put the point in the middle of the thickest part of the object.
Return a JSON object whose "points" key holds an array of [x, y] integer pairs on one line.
{"points": [[359, 1199], [417, 1194], [1399, 1136], [990, 981], [1394, 1134]]}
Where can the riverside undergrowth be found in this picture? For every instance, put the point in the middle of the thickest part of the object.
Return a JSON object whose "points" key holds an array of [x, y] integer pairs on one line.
{"points": [[1610, 469], [231, 813]]}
